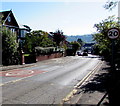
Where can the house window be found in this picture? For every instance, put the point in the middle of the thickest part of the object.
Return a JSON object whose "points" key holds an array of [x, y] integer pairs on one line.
{"points": [[12, 29], [23, 33], [9, 19]]}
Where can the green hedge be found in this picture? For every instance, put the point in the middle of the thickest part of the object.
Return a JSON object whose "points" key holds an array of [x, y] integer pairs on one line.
{"points": [[70, 52], [45, 50]]}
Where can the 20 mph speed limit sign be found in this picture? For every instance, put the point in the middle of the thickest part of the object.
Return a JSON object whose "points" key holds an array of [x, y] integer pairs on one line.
{"points": [[113, 33]]}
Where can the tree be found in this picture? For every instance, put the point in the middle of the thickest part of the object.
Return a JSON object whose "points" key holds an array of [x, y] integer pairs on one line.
{"points": [[103, 42], [75, 46], [58, 37], [110, 4], [37, 38], [79, 40], [9, 47]]}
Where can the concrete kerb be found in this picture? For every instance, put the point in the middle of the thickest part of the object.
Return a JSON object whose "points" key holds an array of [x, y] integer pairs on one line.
{"points": [[7, 68], [78, 85]]}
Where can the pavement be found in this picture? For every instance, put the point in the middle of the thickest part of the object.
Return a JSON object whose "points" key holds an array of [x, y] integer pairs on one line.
{"points": [[91, 92]]}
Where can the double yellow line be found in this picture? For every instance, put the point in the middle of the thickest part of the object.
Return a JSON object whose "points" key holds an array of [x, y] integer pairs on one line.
{"points": [[74, 91]]}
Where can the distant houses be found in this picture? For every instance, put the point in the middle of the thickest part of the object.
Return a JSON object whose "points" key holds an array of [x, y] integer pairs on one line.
{"points": [[88, 47]]}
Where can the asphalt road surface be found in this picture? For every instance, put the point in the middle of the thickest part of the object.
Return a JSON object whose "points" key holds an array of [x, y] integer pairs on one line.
{"points": [[47, 82]]}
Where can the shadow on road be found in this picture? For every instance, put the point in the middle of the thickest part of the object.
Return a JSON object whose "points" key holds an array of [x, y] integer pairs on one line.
{"points": [[98, 83], [106, 82]]}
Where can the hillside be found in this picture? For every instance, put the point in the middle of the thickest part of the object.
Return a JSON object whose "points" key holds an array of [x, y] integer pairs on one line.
{"points": [[85, 38]]}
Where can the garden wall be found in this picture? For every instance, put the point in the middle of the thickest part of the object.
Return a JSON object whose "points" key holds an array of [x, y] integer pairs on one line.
{"points": [[51, 56]]}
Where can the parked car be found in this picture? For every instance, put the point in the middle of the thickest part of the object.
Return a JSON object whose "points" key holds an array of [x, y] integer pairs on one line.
{"points": [[85, 54], [79, 53]]}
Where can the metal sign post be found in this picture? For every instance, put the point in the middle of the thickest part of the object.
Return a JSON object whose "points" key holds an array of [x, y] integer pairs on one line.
{"points": [[113, 34], [113, 55]]}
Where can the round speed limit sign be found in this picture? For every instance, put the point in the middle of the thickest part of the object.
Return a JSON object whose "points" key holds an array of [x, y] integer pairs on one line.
{"points": [[113, 33]]}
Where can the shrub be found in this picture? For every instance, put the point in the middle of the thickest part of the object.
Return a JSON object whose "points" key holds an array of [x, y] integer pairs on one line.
{"points": [[10, 54], [43, 51]]}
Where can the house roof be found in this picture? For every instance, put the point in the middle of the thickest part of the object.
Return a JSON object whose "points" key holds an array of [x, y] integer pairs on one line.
{"points": [[21, 26], [6, 14]]}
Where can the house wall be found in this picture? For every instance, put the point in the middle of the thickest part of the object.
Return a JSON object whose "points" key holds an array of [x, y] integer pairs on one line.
{"points": [[12, 25], [11, 21]]}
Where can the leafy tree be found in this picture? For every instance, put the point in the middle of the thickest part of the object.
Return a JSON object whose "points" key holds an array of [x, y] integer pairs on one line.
{"points": [[80, 41], [1, 21], [58, 37], [110, 4], [9, 47], [75, 46], [103, 42], [37, 38]]}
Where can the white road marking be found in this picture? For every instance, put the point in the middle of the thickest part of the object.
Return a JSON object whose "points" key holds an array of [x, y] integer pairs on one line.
{"points": [[14, 81], [19, 73]]}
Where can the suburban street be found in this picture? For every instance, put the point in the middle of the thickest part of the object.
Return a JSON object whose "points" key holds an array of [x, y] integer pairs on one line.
{"points": [[45, 82], [64, 52]]}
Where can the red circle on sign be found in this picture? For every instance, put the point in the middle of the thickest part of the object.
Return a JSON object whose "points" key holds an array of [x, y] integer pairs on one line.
{"points": [[113, 33]]}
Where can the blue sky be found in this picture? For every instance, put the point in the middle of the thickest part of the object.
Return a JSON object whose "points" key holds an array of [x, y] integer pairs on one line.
{"points": [[73, 18]]}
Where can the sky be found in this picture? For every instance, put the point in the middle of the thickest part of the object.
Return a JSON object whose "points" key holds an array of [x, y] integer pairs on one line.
{"points": [[72, 17]]}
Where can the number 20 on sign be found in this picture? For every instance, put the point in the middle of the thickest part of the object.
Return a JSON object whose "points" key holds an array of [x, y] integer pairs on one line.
{"points": [[113, 33]]}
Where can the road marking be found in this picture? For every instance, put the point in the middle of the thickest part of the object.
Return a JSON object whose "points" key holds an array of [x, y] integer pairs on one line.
{"points": [[1, 84], [14, 81], [89, 74], [69, 95], [20, 73], [23, 72], [74, 91]]}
